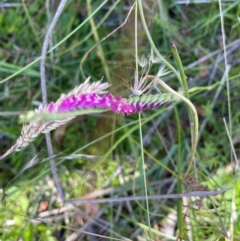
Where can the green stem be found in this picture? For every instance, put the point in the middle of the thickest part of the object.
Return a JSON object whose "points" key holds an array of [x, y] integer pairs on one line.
{"points": [[180, 182], [182, 79], [140, 130], [181, 70], [177, 58], [144, 175], [152, 43], [136, 37], [192, 110]]}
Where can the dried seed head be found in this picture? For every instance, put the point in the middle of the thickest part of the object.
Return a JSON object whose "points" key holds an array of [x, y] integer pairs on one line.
{"points": [[142, 85], [162, 71], [143, 61], [153, 58]]}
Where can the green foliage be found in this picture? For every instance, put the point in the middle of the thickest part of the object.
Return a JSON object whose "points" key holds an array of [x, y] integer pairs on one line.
{"points": [[196, 31], [10, 22]]}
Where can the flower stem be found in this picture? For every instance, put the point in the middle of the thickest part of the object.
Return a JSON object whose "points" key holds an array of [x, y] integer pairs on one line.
{"points": [[140, 128], [192, 110], [194, 138], [179, 182], [152, 43], [181, 70]]}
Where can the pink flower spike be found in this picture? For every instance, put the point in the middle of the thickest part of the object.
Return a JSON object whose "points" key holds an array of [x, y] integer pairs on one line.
{"points": [[64, 106], [51, 108], [73, 102], [81, 101], [91, 101], [126, 109], [105, 101]]}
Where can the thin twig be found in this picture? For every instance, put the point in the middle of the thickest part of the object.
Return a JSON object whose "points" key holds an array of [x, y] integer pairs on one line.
{"points": [[44, 92], [154, 197], [231, 47], [45, 48], [232, 146], [226, 64], [218, 92]]}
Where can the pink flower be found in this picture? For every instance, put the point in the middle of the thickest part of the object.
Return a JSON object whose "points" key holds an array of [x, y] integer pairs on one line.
{"points": [[118, 104], [90, 96], [89, 101], [86, 96]]}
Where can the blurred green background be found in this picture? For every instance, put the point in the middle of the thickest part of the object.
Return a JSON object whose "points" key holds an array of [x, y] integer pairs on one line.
{"points": [[31, 209]]}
